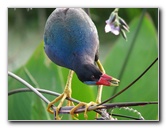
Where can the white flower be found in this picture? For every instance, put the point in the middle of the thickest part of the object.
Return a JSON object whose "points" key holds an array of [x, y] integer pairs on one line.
{"points": [[111, 27], [116, 24]]}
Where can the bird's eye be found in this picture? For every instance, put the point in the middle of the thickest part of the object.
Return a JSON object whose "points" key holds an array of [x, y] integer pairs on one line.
{"points": [[93, 77]]}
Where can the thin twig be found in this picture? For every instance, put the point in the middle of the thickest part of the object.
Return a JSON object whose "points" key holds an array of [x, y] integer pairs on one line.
{"points": [[66, 110], [42, 91], [132, 83], [126, 116], [35, 83], [130, 48], [29, 86], [35, 90]]}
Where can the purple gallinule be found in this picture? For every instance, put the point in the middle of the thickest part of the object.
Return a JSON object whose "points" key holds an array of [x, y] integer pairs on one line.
{"points": [[71, 41]]}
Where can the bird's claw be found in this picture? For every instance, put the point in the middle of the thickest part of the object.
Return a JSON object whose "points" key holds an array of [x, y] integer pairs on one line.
{"points": [[87, 105], [58, 117]]}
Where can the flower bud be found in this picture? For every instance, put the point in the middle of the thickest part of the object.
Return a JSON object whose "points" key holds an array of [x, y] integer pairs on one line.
{"points": [[123, 34], [116, 24]]}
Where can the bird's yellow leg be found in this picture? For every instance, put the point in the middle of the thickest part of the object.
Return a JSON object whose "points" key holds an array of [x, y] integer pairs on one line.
{"points": [[98, 99], [67, 93], [114, 80], [100, 88], [99, 94], [87, 105], [100, 66]]}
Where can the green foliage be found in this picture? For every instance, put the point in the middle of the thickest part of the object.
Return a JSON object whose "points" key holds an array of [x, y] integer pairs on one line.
{"points": [[144, 51], [40, 72]]}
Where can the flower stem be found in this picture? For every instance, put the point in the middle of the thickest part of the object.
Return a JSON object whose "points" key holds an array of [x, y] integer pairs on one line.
{"points": [[116, 10]]}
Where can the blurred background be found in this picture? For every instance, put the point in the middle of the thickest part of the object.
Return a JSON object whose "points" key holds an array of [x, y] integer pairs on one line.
{"points": [[26, 26], [124, 60]]}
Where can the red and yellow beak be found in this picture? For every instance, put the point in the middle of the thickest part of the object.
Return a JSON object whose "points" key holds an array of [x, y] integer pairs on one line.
{"points": [[107, 80]]}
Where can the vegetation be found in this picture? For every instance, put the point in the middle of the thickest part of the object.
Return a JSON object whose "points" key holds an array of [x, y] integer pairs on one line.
{"points": [[121, 59]]}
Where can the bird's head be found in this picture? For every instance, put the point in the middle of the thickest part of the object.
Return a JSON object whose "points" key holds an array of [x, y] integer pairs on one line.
{"points": [[91, 75]]}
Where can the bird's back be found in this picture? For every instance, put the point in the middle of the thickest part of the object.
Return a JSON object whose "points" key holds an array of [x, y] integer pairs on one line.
{"points": [[70, 37]]}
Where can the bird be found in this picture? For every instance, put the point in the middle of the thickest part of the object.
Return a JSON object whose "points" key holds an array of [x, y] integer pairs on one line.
{"points": [[71, 41]]}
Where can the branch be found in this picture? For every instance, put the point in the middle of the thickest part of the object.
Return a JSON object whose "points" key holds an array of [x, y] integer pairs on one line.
{"points": [[42, 91], [106, 106], [133, 41], [36, 91], [29, 86], [66, 110], [126, 116], [132, 83]]}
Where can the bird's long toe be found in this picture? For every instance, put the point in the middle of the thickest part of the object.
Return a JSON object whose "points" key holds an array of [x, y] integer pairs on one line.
{"points": [[60, 98], [81, 104]]}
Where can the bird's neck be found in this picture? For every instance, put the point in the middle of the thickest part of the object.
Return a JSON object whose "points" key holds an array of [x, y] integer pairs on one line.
{"points": [[81, 64]]}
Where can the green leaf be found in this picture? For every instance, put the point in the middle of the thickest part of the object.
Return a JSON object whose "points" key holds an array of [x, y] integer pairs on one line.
{"points": [[143, 53], [40, 72]]}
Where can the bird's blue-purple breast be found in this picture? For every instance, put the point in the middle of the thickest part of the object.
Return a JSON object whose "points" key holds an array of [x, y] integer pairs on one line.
{"points": [[70, 37]]}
